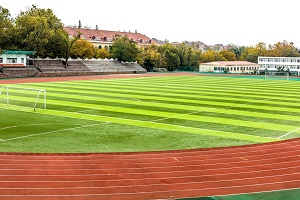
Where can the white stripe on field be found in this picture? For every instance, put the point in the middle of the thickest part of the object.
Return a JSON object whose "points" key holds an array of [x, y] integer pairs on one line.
{"points": [[191, 113], [288, 133], [8, 127], [68, 129]]}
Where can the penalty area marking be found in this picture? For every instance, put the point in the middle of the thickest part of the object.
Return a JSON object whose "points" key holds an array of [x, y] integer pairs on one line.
{"points": [[68, 129], [8, 127], [288, 133]]}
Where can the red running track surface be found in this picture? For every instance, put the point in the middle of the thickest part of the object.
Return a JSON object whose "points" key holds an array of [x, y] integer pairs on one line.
{"points": [[151, 175]]}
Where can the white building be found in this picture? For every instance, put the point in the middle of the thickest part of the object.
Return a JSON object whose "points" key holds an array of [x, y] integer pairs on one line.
{"points": [[276, 64], [240, 67], [10, 58]]}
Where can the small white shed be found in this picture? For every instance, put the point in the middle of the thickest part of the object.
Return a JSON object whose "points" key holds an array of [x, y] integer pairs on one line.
{"points": [[10, 58]]}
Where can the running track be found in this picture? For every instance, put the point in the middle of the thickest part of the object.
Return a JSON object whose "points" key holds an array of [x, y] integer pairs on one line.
{"points": [[150, 175]]}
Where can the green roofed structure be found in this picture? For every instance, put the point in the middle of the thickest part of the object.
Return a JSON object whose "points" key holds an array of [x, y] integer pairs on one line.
{"points": [[12, 58]]}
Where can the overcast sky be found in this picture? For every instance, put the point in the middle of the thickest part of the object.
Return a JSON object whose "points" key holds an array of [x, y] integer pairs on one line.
{"points": [[241, 22]]}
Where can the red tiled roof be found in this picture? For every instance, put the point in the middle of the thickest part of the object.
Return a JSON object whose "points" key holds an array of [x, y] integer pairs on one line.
{"points": [[107, 36], [230, 63]]}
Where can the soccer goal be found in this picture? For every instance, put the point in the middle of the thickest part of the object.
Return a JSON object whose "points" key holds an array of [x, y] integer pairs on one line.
{"points": [[277, 75], [28, 97]]}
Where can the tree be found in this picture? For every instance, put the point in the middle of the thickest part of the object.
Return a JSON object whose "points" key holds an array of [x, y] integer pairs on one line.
{"points": [[172, 60], [82, 49], [164, 63], [151, 57], [68, 46], [182, 48], [125, 49], [251, 54], [35, 30], [189, 57], [6, 29], [283, 49], [57, 44], [228, 55], [194, 58], [211, 56], [102, 53], [237, 50]]}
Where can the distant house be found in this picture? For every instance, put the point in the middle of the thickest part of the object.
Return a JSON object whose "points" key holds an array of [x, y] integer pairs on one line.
{"points": [[229, 67], [276, 64], [102, 38], [9, 58]]}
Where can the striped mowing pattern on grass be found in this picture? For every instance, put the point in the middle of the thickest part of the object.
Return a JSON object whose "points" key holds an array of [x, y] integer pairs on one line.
{"points": [[243, 110]]}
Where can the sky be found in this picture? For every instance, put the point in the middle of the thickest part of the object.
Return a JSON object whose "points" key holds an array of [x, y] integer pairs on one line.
{"points": [[239, 22]]}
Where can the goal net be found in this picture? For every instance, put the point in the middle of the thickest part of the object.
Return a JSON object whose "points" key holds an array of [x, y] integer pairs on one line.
{"points": [[277, 75], [27, 97]]}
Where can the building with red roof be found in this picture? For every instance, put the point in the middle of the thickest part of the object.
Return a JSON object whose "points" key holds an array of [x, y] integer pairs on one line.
{"points": [[229, 67], [101, 38]]}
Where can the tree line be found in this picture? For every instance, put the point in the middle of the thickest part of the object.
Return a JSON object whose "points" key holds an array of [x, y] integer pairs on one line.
{"points": [[41, 31]]}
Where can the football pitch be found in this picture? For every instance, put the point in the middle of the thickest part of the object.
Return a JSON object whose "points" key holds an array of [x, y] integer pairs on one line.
{"points": [[149, 114]]}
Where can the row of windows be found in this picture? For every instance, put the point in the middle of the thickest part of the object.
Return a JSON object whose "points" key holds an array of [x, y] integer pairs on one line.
{"points": [[294, 60], [12, 60], [234, 68], [280, 66]]}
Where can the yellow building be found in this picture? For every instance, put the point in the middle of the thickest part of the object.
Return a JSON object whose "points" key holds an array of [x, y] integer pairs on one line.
{"points": [[240, 67]]}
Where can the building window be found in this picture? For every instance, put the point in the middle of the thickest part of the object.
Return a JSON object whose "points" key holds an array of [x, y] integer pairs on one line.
{"points": [[22, 60], [1, 60], [11, 60]]}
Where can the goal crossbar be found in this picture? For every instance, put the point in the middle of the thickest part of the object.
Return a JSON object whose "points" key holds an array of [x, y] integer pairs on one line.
{"points": [[7, 88]]}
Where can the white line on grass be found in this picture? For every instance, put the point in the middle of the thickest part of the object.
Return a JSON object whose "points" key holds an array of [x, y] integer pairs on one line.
{"points": [[68, 129], [141, 124], [258, 101], [8, 127], [85, 111], [135, 99], [288, 133], [191, 113]]}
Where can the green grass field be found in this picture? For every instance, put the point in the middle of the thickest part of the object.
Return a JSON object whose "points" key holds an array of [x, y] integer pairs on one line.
{"points": [[150, 114]]}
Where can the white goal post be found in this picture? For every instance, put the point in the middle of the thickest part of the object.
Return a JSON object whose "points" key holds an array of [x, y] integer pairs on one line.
{"points": [[5, 90], [284, 75]]}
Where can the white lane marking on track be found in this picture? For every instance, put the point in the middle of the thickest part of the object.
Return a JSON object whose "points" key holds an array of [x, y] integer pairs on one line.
{"points": [[175, 159], [140, 192]]}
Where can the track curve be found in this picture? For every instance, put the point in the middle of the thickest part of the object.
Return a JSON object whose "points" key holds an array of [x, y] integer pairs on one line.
{"points": [[151, 175]]}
